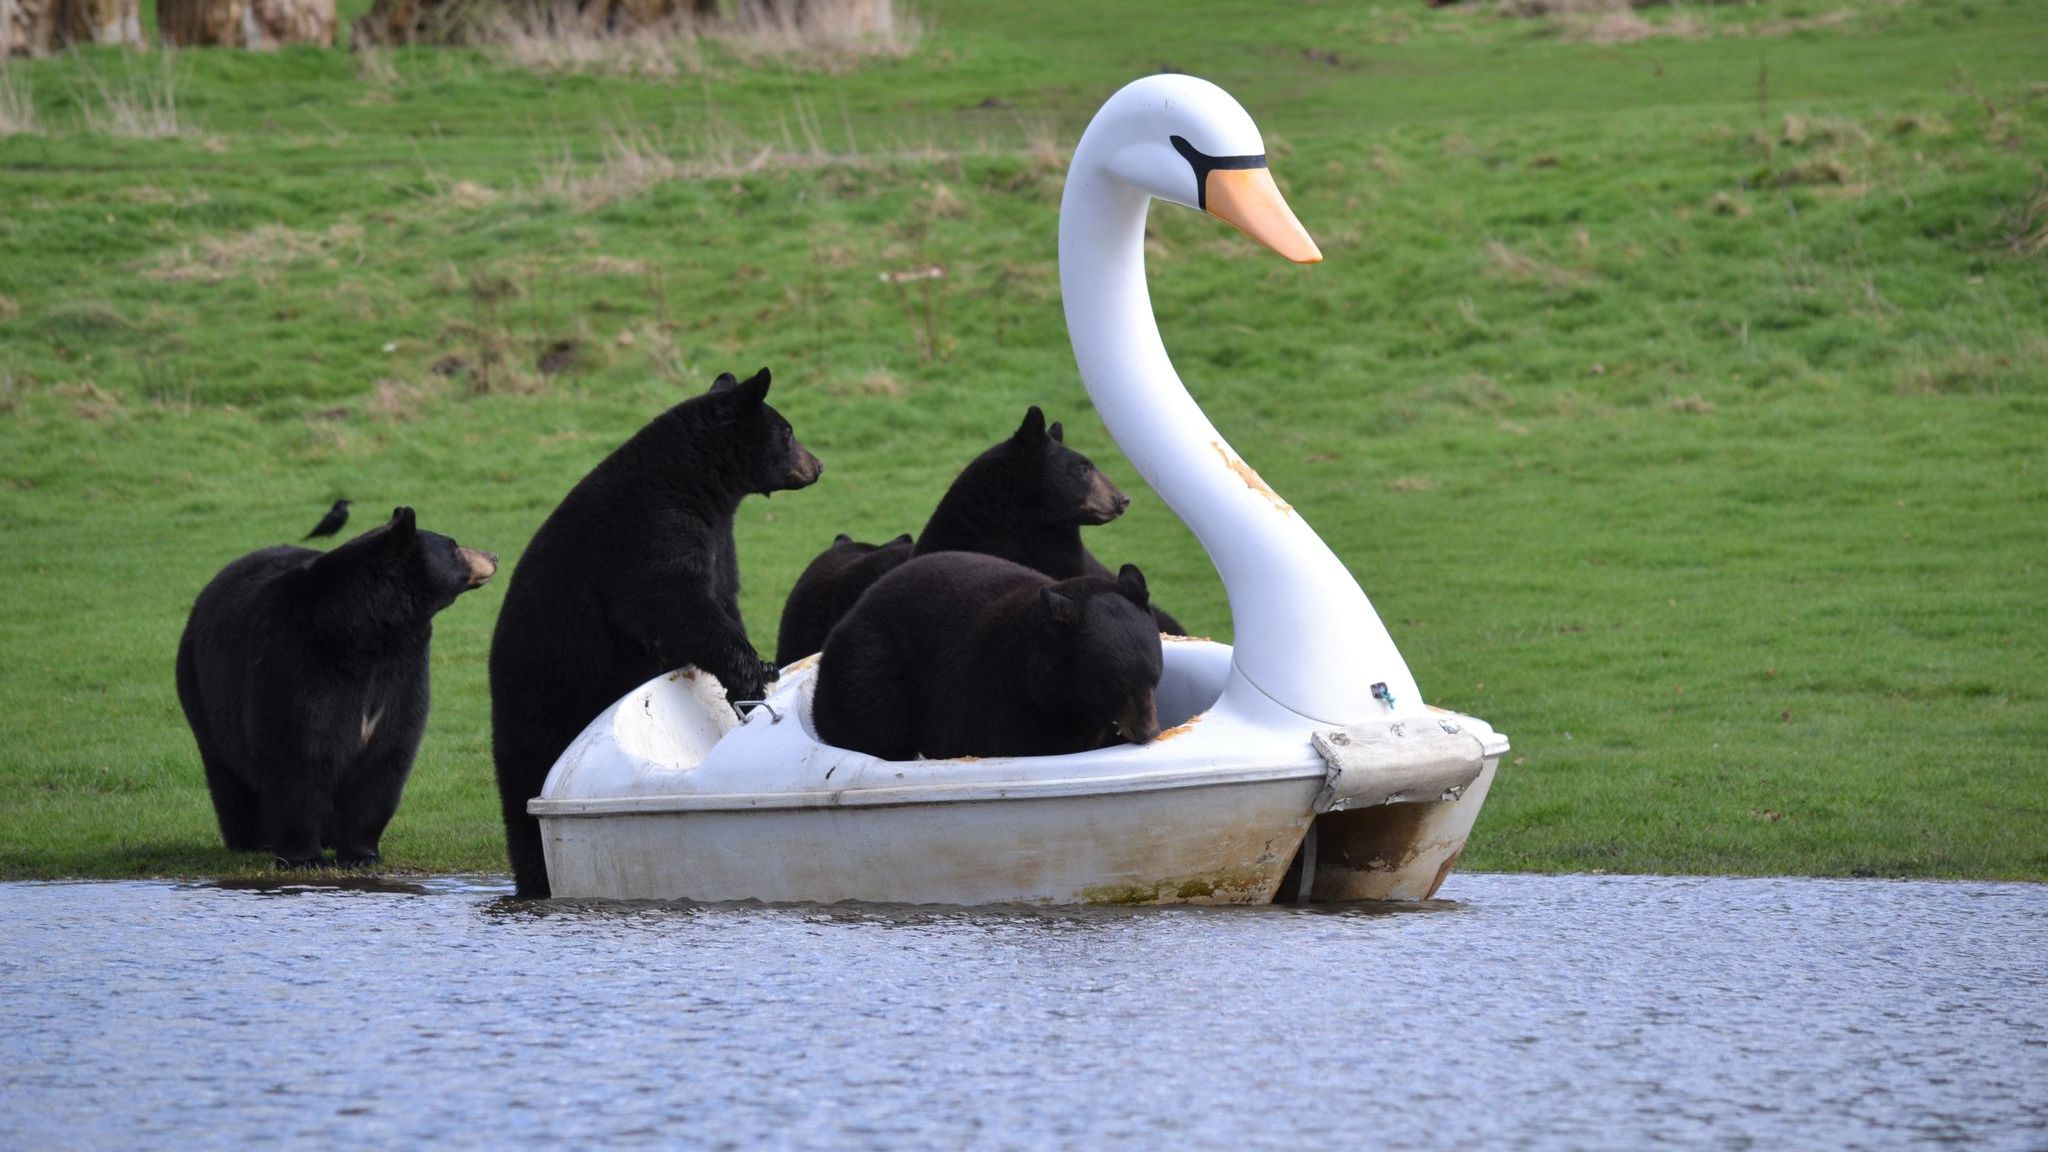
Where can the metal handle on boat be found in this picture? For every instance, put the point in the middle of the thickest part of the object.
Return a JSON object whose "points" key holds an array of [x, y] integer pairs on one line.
{"points": [[774, 717]]}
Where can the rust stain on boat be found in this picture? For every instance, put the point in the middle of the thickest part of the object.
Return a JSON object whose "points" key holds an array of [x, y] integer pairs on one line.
{"points": [[1225, 886], [1252, 479]]}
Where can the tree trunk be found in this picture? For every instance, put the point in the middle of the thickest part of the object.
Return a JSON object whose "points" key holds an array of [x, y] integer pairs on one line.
{"points": [[387, 22], [103, 22], [16, 33], [245, 23], [35, 27], [830, 17]]}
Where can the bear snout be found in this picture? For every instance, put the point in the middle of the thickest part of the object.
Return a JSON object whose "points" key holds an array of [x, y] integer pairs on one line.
{"points": [[1138, 722], [481, 566], [1105, 502], [805, 469]]}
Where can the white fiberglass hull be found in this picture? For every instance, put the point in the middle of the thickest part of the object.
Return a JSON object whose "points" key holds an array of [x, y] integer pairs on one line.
{"points": [[664, 797]]}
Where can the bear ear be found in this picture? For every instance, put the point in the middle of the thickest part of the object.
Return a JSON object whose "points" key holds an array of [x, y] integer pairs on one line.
{"points": [[403, 526], [842, 538], [905, 538], [726, 382], [1132, 583], [755, 388], [1056, 432], [1062, 609], [1033, 427]]}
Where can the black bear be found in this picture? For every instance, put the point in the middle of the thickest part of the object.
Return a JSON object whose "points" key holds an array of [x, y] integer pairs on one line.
{"points": [[827, 590], [1025, 500], [632, 575], [304, 678], [961, 654]]}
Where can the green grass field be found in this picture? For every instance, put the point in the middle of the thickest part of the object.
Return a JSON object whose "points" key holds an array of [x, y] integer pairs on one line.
{"points": [[1679, 400]]}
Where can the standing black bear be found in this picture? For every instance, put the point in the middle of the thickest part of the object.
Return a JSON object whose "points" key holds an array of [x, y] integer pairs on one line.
{"points": [[632, 575], [961, 654], [1026, 500], [304, 677]]}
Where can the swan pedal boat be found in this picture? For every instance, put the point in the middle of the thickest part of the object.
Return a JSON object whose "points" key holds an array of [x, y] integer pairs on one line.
{"points": [[1299, 764]]}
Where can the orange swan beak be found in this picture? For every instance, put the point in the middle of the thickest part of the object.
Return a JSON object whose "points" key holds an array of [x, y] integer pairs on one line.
{"points": [[1248, 198]]}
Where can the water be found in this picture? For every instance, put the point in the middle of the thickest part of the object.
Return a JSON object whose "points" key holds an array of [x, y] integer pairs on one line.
{"points": [[1519, 1012]]}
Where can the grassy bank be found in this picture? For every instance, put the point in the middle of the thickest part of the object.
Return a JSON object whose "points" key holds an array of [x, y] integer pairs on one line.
{"points": [[1675, 388]]}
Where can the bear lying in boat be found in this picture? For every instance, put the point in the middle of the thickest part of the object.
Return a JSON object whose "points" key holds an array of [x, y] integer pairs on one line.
{"points": [[961, 654]]}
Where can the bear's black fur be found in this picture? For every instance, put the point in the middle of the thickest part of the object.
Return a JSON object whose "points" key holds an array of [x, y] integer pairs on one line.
{"points": [[304, 677], [827, 589], [632, 575], [961, 654], [1026, 500]]}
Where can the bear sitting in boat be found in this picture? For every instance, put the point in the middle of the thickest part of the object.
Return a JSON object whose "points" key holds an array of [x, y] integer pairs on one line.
{"points": [[828, 589], [961, 654], [1025, 499]]}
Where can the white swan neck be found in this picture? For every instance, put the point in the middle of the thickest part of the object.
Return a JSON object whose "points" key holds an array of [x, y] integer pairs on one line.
{"points": [[1305, 634]]}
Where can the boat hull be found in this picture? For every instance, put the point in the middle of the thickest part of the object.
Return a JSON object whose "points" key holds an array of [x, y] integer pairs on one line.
{"points": [[1220, 844], [667, 797]]}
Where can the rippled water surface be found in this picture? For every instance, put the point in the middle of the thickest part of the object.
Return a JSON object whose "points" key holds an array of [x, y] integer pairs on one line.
{"points": [[1518, 1012]]}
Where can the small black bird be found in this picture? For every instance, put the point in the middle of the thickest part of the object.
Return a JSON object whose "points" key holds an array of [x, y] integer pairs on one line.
{"points": [[332, 522]]}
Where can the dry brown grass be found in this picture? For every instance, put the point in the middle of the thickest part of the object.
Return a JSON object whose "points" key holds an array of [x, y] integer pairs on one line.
{"points": [[1967, 371], [1617, 21], [402, 401], [212, 259], [1921, 124], [633, 162], [602, 265], [1800, 131], [1540, 9], [141, 105], [151, 194], [878, 382], [945, 203], [374, 67], [466, 196], [8, 309], [17, 105], [653, 339], [833, 36], [558, 40], [2023, 228], [1521, 268], [1765, 29], [91, 402], [1629, 28], [1723, 204], [1477, 392]]}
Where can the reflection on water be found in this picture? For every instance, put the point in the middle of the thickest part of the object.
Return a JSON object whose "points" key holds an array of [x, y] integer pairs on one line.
{"points": [[1519, 1012]]}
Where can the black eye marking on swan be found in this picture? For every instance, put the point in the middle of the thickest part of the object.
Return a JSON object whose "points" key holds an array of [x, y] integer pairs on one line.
{"points": [[1203, 164]]}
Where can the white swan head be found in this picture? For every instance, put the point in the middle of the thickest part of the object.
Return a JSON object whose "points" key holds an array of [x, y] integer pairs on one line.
{"points": [[1184, 140]]}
